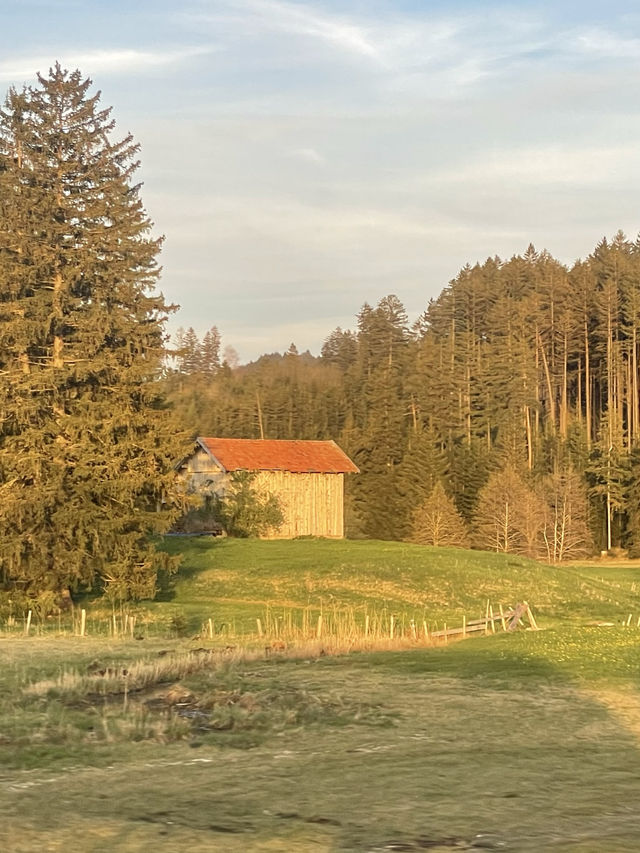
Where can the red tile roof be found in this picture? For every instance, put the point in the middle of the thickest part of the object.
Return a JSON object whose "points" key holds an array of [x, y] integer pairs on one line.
{"points": [[264, 454]]}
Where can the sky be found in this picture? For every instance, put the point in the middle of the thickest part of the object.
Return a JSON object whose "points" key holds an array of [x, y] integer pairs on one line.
{"points": [[302, 158]]}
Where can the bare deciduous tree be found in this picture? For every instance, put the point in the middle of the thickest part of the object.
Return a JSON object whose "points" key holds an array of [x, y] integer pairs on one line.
{"points": [[437, 522]]}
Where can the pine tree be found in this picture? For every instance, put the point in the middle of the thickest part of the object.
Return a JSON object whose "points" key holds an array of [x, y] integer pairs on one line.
{"points": [[210, 352], [85, 444], [424, 465], [190, 353], [378, 442], [340, 348]]}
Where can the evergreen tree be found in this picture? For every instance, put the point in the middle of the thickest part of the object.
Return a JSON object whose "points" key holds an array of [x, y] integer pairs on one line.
{"points": [[85, 444], [378, 441], [423, 465], [190, 353], [210, 352], [340, 348], [632, 539]]}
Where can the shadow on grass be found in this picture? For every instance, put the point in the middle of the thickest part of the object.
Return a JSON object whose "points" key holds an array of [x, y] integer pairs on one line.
{"points": [[500, 661], [196, 559]]}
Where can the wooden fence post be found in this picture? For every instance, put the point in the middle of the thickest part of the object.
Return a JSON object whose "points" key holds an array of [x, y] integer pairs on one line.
{"points": [[532, 621]]}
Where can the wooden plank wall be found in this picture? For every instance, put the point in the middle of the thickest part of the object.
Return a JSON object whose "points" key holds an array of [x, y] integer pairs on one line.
{"points": [[203, 475], [312, 504]]}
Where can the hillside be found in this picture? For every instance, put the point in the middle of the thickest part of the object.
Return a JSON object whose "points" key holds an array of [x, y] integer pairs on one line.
{"points": [[238, 581]]}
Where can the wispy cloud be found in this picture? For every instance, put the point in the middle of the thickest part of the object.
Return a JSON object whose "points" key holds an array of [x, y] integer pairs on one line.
{"points": [[436, 50], [338, 31], [605, 44], [110, 61], [308, 155], [547, 165]]}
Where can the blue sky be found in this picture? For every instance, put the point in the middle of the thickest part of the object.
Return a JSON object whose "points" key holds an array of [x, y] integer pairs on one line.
{"points": [[303, 157]]}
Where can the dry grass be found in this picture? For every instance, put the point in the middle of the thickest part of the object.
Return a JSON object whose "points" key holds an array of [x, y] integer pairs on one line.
{"points": [[140, 675], [462, 762]]}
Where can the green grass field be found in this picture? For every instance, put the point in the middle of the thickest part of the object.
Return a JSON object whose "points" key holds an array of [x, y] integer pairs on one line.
{"points": [[236, 581], [527, 741]]}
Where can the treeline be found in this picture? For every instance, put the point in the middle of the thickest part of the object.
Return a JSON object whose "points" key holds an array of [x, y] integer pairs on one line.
{"points": [[515, 394]]}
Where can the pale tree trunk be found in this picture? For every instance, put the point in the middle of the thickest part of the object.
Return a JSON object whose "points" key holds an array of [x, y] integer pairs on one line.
{"points": [[564, 416], [587, 386], [552, 402], [527, 423]]}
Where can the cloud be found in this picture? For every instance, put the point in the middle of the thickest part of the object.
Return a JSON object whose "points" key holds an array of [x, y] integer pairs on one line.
{"points": [[607, 45], [435, 52], [338, 31], [308, 155], [547, 165], [112, 61]]}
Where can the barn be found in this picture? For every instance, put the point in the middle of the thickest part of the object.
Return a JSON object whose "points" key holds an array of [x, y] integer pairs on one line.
{"points": [[307, 477]]}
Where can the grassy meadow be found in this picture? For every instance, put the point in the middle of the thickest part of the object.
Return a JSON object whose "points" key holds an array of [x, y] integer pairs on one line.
{"points": [[171, 735]]}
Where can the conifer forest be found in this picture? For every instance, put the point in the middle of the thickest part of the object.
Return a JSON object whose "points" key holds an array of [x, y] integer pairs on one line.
{"points": [[506, 416]]}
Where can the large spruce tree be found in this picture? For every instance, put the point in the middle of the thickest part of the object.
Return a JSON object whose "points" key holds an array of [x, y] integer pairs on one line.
{"points": [[85, 447]]}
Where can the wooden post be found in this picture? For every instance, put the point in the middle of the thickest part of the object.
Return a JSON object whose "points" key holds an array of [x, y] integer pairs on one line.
{"points": [[493, 626], [319, 627], [259, 624], [366, 625], [446, 638], [502, 619], [210, 623], [464, 627], [132, 625], [391, 627], [83, 621], [486, 618], [532, 621], [28, 625]]}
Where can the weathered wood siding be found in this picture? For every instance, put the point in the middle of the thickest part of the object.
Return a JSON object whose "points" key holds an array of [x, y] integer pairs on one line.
{"points": [[203, 475], [312, 504]]}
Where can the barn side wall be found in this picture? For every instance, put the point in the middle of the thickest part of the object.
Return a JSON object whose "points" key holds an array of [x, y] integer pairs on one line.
{"points": [[312, 504]]}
